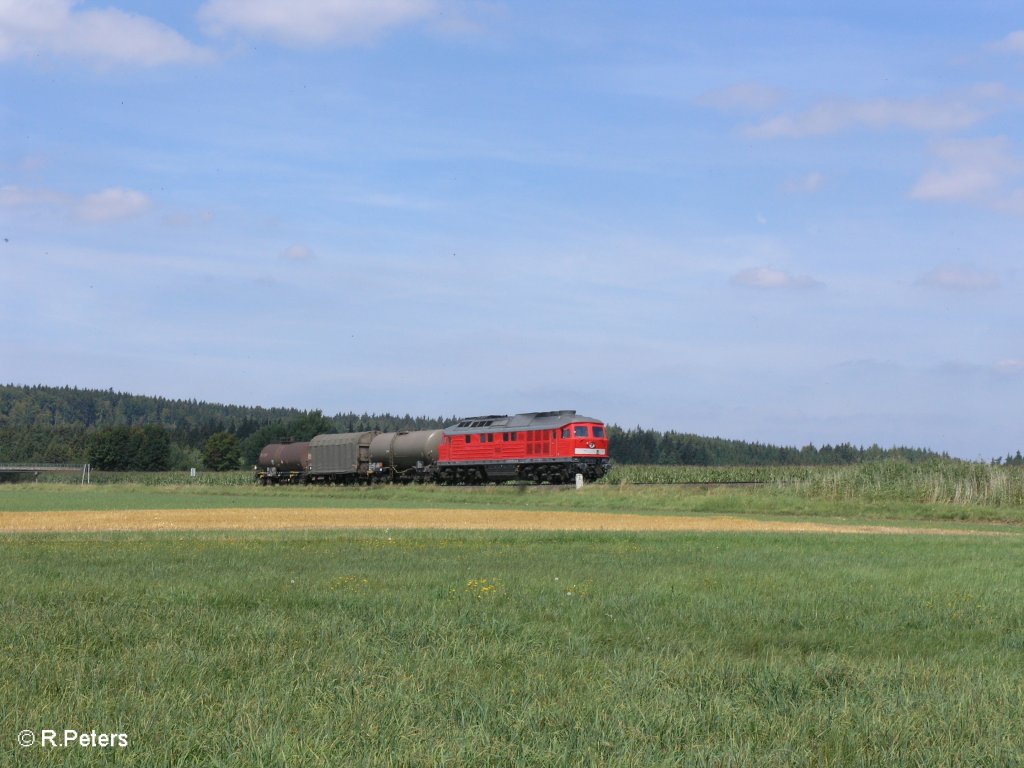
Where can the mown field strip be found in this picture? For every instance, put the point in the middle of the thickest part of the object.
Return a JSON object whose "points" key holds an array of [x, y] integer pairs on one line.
{"points": [[241, 518]]}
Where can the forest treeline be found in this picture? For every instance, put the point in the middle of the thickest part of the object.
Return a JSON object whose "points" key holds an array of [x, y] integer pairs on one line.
{"points": [[114, 430], [649, 446]]}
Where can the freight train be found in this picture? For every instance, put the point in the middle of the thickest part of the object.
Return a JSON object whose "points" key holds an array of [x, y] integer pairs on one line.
{"points": [[547, 446]]}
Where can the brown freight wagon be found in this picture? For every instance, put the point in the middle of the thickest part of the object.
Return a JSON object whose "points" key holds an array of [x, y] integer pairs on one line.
{"points": [[284, 462]]}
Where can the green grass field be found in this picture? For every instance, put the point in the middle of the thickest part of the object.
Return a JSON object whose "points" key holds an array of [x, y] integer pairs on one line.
{"points": [[816, 496], [474, 649]]}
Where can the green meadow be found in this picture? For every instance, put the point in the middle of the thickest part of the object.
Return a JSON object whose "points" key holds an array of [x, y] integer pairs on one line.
{"points": [[944, 491], [448, 648]]}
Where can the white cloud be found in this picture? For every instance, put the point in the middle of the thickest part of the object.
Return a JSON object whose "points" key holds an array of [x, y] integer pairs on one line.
{"points": [[956, 184], [105, 205], [112, 203], [315, 22], [1010, 366], [973, 166], [187, 219], [386, 200], [297, 253], [1012, 202], [767, 278], [951, 278], [835, 116], [105, 35], [1012, 43], [751, 97], [807, 184], [980, 170], [12, 196]]}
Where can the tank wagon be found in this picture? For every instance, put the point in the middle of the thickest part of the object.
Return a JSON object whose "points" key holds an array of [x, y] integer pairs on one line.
{"points": [[284, 462], [546, 446], [405, 456]]}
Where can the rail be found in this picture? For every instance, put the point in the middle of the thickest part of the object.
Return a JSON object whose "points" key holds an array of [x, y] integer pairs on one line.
{"points": [[36, 468], [523, 486]]}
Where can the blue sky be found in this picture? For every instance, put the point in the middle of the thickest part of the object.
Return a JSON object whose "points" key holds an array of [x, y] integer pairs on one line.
{"points": [[788, 222]]}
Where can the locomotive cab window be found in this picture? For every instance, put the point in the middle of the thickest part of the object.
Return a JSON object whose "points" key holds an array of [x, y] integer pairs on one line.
{"points": [[598, 431], [580, 430], [566, 432]]}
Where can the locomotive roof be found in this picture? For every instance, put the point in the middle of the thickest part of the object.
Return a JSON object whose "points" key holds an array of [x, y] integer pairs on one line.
{"points": [[520, 421]]}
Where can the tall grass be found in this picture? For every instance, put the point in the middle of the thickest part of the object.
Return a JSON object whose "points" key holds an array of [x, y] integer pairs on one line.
{"points": [[655, 474], [934, 482]]}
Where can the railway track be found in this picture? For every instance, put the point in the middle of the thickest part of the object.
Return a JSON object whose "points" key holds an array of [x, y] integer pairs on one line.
{"points": [[569, 486]]}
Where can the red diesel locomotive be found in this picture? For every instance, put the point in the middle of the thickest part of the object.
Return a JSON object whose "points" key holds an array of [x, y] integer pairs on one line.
{"points": [[549, 446]]}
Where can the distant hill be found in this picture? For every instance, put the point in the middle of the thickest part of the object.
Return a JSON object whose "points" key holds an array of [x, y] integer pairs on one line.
{"points": [[56, 424]]}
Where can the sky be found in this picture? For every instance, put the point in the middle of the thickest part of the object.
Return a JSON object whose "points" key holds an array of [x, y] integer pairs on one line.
{"points": [[789, 222]]}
